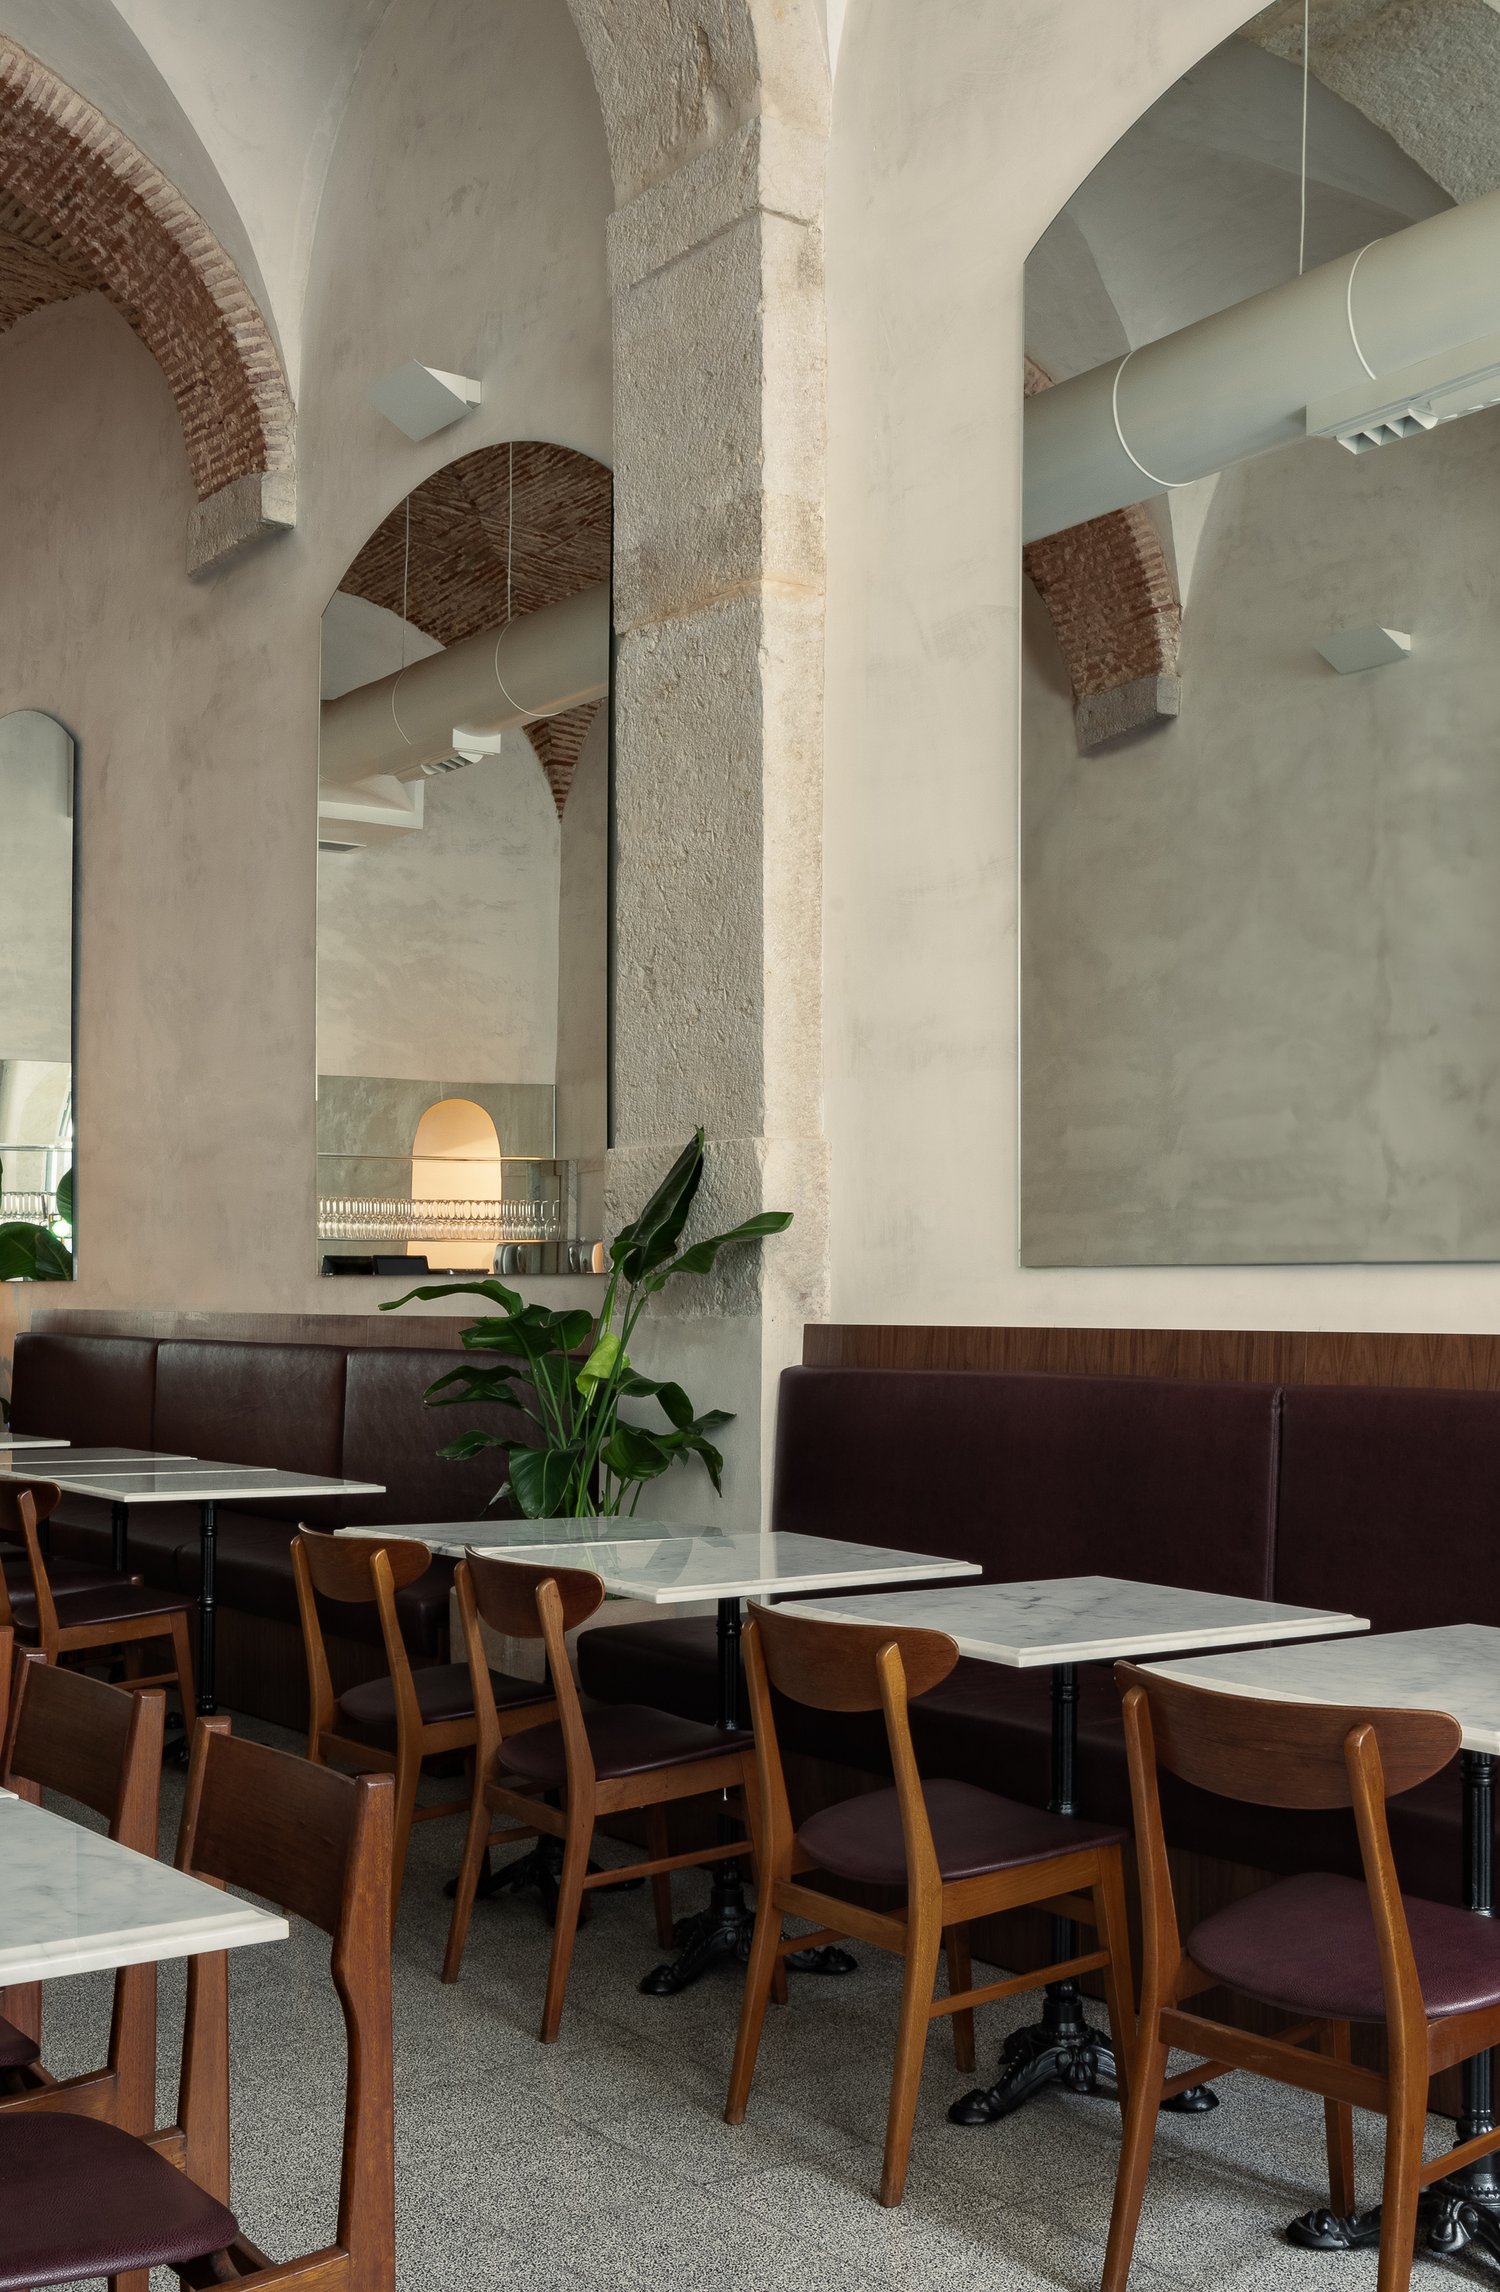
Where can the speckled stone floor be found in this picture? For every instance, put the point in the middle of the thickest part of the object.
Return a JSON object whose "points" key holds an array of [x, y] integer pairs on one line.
{"points": [[602, 2164]]}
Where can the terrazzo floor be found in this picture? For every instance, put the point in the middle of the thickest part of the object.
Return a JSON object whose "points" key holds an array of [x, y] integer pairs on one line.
{"points": [[602, 2164]]}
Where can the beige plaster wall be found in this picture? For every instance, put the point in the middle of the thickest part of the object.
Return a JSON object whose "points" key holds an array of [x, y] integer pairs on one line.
{"points": [[950, 155], [196, 705]]}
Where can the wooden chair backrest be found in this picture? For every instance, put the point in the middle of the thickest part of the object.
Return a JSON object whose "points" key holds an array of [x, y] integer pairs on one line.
{"points": [[832, 1666], [505, 1593], [98, 1744], [7, 1653], [357, 1570], [24, 1505], [1283, 1754], [319, 1844]]}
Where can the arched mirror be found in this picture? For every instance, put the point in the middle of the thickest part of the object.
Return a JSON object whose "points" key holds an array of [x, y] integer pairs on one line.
{"points": [[36, 998], [1260, 870], [463, 835]]}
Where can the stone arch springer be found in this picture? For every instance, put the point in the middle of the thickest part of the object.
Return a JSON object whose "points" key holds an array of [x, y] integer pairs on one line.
{"points": [[82, 208]]}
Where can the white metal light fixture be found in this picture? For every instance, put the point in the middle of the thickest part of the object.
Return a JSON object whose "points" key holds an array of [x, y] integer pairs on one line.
{"points": [[1349, 650], [421, 400], [1390, 407]]}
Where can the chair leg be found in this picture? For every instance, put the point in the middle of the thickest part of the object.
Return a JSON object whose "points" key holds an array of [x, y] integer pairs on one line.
{"points": [[476, 1839], [565, 1919], [408, 1775], [1119, 1992], [760, 1980], [1148, 2074], [1405, 2125], [182, 1663], [1338, 2120], [961, 1977], [919, 1979], [658, 1844]]}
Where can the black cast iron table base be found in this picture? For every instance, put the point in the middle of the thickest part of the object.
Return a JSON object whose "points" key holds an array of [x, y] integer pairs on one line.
{"points": [[1062, 2048], [1463, 2210]]}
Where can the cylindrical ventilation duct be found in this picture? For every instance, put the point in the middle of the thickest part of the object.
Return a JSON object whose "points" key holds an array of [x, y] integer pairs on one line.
{"points": [[537, 665], [1239, 383]]}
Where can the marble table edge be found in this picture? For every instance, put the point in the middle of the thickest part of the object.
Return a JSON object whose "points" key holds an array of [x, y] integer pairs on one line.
{"points": [[1040, 1655], [1478, 1735], [241, 1928]]}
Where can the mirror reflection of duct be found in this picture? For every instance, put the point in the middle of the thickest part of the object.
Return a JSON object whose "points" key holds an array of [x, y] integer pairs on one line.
{"points": [[382, 739], [1369, 349]]}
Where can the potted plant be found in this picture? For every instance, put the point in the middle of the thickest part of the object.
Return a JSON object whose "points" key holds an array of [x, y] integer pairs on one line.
{"points": [[35, 1253], [570, 1372]]}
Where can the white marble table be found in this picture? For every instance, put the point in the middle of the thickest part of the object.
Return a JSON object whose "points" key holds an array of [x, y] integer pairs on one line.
{"points": [[674, 1567], [1448, 1667], [30, 1440], [198, 1481], [1060, 1622], [72, 1900], [35, 1466]]}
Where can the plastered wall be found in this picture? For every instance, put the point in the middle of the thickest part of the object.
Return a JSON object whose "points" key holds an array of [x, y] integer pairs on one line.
{"points": [[950, 154]]}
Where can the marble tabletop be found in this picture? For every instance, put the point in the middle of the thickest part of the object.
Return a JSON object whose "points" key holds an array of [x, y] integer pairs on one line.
{"points": [[677, 1565], [30, 1440], [71, 1900], [1084, 1619], [192, 1482], [74, 1459], [1448, 1667]]}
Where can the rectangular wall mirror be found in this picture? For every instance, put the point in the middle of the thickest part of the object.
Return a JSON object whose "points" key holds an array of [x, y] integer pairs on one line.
{"points": [[463, 838], [1260, 853], [36, 998]]}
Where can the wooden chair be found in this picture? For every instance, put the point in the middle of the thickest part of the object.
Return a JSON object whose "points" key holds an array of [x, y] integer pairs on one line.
{"points": [[389, 1725], [118, 1613], [319, 1844], [612, 1761], [101, 1746], [955, 1852], [1326, 1950]]}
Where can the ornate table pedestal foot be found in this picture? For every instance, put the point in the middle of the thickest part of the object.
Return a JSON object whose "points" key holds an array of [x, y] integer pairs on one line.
{"points": [[1060, 2049]]}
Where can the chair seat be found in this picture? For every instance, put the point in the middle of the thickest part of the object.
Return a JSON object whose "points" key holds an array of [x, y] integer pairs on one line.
{"points": [[62, 1575], [444, 1692], [1308, 1945], [973, 1831], [625, 1739], [79, 2198], [16, 2048], [109, 1602]]}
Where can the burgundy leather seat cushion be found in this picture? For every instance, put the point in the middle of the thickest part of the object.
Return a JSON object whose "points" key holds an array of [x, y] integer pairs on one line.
{"points": [[93, 1391], [62, 1575], [1374, 1480], [1169, 1481], [443, 1690], [16, 2048], [109, 1603], [628, 1740], [276, 1405], [1308, 1945], [392, 1437], [973, 1832], [79, 2198]]}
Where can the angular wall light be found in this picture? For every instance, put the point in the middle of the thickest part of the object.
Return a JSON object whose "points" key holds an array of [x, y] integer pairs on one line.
{"points": [[421, 400], [1349, 650]]}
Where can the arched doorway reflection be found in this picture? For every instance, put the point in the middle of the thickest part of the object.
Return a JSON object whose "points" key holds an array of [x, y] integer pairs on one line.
{"points": [[455, 1157]]}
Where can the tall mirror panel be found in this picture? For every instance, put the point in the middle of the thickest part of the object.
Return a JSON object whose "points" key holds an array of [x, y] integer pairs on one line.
{"points": [[463, 836], [36, 998]]}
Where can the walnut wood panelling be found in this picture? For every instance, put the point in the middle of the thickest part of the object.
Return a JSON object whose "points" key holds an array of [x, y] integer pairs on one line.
{"points": [[1235, 1356]]}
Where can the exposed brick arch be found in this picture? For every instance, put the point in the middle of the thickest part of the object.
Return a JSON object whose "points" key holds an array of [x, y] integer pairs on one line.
{"points": [[81, 209], [1108, 588]]}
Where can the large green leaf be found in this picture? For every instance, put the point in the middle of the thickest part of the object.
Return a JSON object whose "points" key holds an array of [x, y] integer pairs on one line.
{"points": [[473, 1444], [541, 1480], [700, 1258], [495, 1291], [652, 1237], [65, 1197], [31, 1253], [601, 1363], [632, 1453]]}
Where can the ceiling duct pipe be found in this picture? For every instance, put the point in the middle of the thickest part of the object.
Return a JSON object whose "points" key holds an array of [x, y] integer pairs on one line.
{"points": [[1241, 382], [537, 665]]}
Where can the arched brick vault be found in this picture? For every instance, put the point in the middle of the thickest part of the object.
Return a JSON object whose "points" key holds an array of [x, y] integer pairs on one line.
{"points": [[82, 209], [1108, 588], [508, 528]]}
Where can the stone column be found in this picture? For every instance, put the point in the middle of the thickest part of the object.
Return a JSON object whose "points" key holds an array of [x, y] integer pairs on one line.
{"points": [[717, 274]]}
